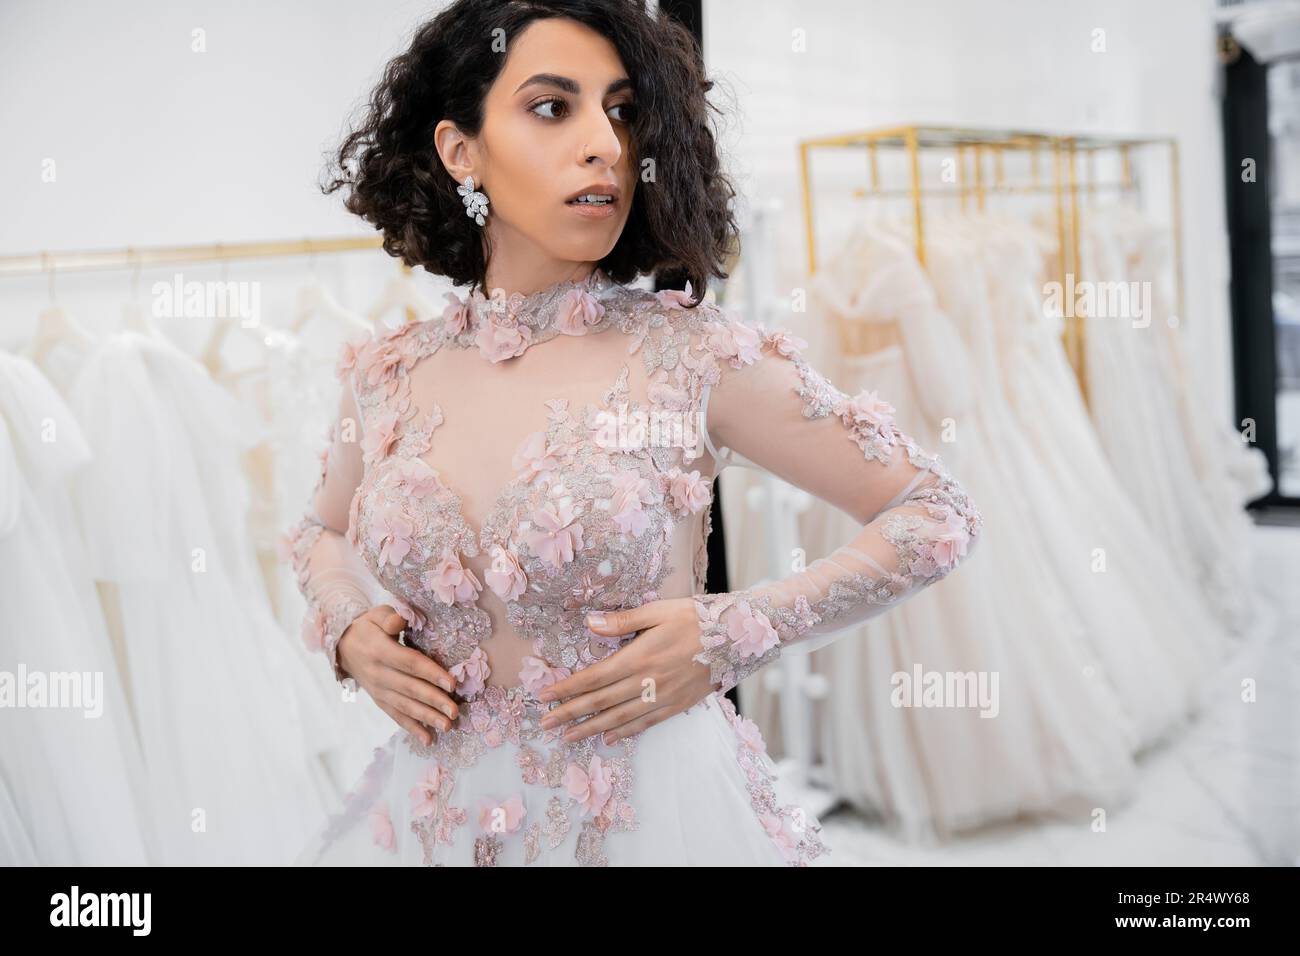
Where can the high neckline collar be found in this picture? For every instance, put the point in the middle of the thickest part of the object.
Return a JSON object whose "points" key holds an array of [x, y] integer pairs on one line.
{"points": [[504, 326]]}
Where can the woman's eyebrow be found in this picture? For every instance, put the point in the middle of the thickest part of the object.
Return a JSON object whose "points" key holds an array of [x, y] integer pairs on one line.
{"points": [[568, 85]]}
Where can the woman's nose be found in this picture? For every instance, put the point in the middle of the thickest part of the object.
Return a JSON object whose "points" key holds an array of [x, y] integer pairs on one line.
{"points": [[599, 141]]}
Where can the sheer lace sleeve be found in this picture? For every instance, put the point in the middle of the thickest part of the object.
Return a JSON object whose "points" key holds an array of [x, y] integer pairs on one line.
{"points": [[331, 574], [769, 408]]}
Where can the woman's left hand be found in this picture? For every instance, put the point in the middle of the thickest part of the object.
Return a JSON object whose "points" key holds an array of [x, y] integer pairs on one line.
{"points": [[644, 682]]}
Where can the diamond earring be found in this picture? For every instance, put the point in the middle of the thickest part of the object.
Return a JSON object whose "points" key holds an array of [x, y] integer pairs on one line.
{"points": [[475, 202]]}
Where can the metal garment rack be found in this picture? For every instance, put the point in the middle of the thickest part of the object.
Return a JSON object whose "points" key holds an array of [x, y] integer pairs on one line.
{"points": [[974, 149], [139, 257]]}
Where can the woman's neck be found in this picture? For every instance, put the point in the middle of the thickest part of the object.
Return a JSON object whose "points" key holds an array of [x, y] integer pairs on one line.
{"points": [[528, 278]]}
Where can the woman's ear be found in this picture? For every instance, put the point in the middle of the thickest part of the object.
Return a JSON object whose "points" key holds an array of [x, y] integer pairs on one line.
{"points": [[455, 151]]}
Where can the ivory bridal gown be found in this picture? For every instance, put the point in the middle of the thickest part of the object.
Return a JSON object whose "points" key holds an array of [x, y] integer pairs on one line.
{"points": [[520, 461]]}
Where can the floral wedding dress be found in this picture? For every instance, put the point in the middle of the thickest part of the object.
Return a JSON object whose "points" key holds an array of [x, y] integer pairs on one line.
{"points": [[520, 461]]}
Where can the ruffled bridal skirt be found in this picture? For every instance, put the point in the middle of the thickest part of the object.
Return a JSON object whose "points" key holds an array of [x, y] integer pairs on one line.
{"points": [[497, 790]]}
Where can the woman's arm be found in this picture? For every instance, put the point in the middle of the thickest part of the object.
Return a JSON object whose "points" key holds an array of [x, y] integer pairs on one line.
{"points": [[773, 409], [331, 574]]}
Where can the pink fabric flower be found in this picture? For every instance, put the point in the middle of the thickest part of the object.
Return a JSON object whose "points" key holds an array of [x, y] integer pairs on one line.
{"points": [[870, 408], [506, 576], [348, 353], [786, 343], [451, 581], [391, 532], [676, 298], [591, 787], [536, 675], [666, 395], [414, 617], [498, 340], [379, 359], [749, 734], [734, 341], [472, 673], [424, 795], [381, 828], [782, 837], [501, 816], [455, 316], [381, 436], [533, 457], [750, 631], [416, 478], [631, 490], [577, 312], [690, 492], [950, 541], [555, 535]]}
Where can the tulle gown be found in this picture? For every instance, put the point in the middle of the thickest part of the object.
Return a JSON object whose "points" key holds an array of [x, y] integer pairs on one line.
{"points": [[1189, 472], [70, 769], [288, 384], [163, 511], [1152, 635], [1057, 741]]}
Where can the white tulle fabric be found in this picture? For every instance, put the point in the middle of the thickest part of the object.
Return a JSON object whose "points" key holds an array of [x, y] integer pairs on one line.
{"points": [[71, 789], [1187, 469], [219, 703]]}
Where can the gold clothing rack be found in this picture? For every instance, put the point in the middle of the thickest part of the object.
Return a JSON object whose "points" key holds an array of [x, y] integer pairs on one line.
{"points": [[141, 256], [973, 149], [138, 257]]}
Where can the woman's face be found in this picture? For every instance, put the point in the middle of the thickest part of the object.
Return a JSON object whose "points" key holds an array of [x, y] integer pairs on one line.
{"points": [[556, 124]]}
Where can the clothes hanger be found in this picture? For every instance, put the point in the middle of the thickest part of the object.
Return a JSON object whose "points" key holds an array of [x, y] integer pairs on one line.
{"points": [[315, 299], [54, 326], [211, 353], [135, 315], [402, 291]]}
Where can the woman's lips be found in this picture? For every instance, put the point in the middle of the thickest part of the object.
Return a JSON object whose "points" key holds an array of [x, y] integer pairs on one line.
{"points": [[593, 211]]}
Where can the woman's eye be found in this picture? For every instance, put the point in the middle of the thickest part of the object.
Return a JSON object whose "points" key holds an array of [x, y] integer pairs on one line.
{"points": [[551, 102], [629, 111]]}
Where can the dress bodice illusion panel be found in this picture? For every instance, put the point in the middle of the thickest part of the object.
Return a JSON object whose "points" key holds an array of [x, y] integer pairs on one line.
{"points": [[499, 492], [509, 504]]}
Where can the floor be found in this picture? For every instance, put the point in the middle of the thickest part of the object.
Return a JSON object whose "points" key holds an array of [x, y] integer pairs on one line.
{"points": [[1226, 793]]}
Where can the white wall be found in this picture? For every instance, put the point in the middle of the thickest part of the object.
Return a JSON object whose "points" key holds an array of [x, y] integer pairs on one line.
{"points": [[156, 144]]}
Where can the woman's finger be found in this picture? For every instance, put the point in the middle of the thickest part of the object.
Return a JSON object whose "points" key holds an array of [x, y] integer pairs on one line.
{"points": [[612, 695], [424, 692], [606, 719], [420, 711], [407, 724], [656, 716], [410, 661], [627, 621]]}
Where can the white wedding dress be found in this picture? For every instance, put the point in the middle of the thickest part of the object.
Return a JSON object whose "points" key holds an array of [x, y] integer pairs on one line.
{"points": [[219, 707], [71, 789], [1148, 626], [289, 385], [1058, 741], [1185, 468]]}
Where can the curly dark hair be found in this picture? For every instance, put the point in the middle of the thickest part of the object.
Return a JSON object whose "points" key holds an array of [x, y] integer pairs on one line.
{"points": [[397, 182]]}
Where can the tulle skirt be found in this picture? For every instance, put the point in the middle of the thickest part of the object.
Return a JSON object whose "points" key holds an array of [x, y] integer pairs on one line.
{"points": [[697, 789]]}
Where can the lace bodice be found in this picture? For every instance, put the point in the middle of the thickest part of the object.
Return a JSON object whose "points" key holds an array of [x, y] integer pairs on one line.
{"points": [[517, 462]]}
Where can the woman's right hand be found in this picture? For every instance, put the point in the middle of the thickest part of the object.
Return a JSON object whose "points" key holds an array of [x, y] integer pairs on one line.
{"points": [[409, 687]]}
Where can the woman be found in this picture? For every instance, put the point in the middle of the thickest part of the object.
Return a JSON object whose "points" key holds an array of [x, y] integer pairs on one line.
{"points": [[529, 475]]}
